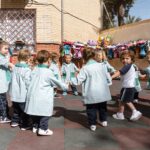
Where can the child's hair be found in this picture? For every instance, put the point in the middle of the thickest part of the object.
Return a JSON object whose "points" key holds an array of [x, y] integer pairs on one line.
{"points": [[129, 54], [88, 53], [24, 55], [103, 54], [54, 55], [2, 43], [148, 53], [43, 56]]}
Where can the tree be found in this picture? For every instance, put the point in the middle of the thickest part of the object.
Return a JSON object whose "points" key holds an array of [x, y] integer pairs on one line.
{"points": [[132, 19], [116, 8]]}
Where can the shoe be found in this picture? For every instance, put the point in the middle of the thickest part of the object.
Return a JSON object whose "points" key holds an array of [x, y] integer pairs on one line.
{"points": [[104, 123], [118, 116], [93, 127], [136, 115], [45, 132], [25, 128], [75, 93], [64, 93], [34, 130], [5, 120], [135, 101], [14, 124], [57, 96]]}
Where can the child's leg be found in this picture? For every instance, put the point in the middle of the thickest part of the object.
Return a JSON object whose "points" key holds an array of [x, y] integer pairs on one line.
{"points": [[135, 114], [120, 114], [102, 108], [15, 120], [43, 126], [91, 110], [74, 90], [3, 108]]}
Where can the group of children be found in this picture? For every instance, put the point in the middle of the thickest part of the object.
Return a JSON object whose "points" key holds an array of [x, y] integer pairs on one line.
{"points": [[32, 89]]}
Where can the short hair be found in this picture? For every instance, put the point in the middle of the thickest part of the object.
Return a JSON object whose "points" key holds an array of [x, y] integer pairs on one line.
{"points": [[43, 56], [2, 43], [24, 55], [129, 54], [88, 53], [54, 55]]}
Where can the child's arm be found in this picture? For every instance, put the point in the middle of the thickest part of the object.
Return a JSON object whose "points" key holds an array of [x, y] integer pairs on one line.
{"points": [[4, 62], [116, 74]]}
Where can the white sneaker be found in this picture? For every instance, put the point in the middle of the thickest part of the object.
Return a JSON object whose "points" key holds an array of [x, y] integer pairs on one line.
{"points": [[135, 101], [45, 132], [104, 123], [136, 115], [93, 127], [118, 116], [34, 130]]}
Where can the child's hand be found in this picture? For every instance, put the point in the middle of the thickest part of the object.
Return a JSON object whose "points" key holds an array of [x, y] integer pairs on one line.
{"points": [[143, 76], [11, 66]]}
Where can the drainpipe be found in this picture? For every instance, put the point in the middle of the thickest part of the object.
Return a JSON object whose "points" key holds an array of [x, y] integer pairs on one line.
{"points": [[62, 21]]}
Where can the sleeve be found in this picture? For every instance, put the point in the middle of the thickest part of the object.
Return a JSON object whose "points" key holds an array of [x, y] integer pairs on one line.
{"points": [[125, 69], [4, 62], [81, 77], [55, 82], [110, 68], [27, 78], [76, 68]]}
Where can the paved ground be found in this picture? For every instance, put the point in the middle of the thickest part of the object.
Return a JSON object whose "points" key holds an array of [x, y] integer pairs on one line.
{"points": [[71, 132]]}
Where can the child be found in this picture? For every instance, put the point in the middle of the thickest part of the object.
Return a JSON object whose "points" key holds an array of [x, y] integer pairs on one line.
{"points": [[95, 89], [40, 94], [69, 71], [100, 57], [18, 89], [5, 67], [137, 83], [128, 74], [147, 70], [55, 69]]}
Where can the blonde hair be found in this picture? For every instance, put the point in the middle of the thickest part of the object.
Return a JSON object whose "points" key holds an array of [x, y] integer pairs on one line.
{"points": [[24, 55], [2, 43], [104, 57]]}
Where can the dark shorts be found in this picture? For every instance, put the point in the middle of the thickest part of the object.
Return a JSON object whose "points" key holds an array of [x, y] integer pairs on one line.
{"points": [[127, 94]]}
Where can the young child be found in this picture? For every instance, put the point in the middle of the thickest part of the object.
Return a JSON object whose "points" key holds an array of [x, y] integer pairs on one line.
{"points": [[55, 69], [18, 90], [68, 71], [95, 89], [128, 74], [5, 77], [137, 83], [100, 57], [147, 70], [40, 95]]}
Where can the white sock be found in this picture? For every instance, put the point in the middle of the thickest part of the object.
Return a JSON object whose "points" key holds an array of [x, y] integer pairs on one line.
{"points": [[134, 111]]}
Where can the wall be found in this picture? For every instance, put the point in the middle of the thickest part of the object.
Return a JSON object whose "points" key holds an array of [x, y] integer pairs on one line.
{"points": [[48, 18], [139, 30]]}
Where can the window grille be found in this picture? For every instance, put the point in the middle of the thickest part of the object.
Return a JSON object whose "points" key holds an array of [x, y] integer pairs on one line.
{"points": [[18, 25]]}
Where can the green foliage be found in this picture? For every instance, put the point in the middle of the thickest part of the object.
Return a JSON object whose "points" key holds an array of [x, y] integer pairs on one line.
{"points": [[116, 8]]}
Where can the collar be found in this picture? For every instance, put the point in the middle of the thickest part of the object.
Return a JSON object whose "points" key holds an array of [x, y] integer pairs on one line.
{"points": [[42, 66]]}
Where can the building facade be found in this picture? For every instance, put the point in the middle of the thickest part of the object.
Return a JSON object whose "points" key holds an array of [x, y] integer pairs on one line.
{"points": [[44, 24]]}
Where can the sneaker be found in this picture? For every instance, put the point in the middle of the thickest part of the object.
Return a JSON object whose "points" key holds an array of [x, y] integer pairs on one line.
{"points": [[135, 101], [45, 132], [64, 93], [75, 93], [93, 127], [118, 116], [14, 124], [104, 123], [136, 115], [34, 130], [25, 128], [57, 96], [5, 120]]}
